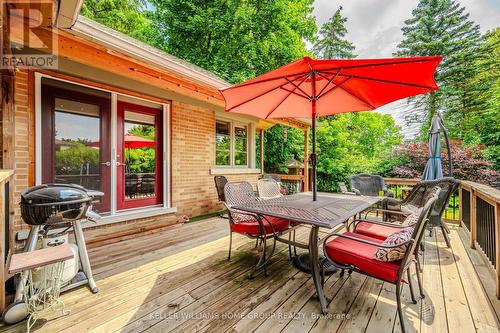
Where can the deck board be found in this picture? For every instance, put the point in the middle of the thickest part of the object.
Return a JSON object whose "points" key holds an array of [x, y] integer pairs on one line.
{"points": [[178, 280]]}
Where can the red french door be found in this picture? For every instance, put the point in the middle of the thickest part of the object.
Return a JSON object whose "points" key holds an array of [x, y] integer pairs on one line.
{"points": [[76, 138], [139, 156]]}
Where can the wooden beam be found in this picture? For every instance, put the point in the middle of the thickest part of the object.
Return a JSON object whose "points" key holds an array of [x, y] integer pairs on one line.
{"points": [[306, 160], [262, 151], [8, 133], [473, 221]]}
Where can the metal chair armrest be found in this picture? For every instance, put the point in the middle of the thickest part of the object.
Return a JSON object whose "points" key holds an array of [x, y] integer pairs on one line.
{"points": [[379, 222], [364, 241]]}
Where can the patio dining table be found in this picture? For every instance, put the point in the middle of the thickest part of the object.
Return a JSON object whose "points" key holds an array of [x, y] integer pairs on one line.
{"points": [[330, 210]]}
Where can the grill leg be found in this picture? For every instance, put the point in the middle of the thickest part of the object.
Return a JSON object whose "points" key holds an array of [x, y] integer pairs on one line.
{"points": [[84, 256], [29, 247]]}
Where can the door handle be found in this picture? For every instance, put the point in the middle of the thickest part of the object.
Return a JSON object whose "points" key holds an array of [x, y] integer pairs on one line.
{"points": [[108, 163], [119, 164]]}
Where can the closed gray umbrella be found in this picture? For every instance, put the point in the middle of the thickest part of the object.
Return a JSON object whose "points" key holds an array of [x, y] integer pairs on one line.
{"points": [[434, 168]]}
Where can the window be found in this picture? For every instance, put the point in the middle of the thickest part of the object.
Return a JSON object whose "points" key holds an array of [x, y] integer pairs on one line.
{"points": [[223, 143], [240, 145], [231, 144]]}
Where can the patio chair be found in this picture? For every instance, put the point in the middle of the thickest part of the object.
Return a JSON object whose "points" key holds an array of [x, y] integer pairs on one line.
{"points": [[366, 184], [268, 188], [356, 252], [251, 225], [343, 189], [399, 210], [220, 182], [276, 178]]}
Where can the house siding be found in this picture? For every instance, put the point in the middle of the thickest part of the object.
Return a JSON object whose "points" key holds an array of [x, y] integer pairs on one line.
{"points": [[193, 155]]}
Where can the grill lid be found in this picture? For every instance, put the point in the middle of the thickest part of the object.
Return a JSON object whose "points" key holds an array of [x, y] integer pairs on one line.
{"points": [[54, 194]]}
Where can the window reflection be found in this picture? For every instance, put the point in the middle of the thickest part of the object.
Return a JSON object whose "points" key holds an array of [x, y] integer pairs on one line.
{"points": [[77, 137], [139, 155]]}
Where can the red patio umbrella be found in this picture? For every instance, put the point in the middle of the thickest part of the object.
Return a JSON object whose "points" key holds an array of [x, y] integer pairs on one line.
{"points": [[308, 88], [131, 141]]}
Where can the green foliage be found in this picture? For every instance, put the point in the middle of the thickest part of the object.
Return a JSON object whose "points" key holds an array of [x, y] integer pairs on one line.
{"points": [[282, 143], [353, 143], [69, 161], [480, 122], [408, 160], [140, 160], [235, 39], [127, 16], [441, 27], [143, 131], [331, 43]]}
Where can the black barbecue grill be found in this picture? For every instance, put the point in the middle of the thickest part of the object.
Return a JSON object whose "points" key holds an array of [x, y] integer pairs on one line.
{"points": [[54, 203]]}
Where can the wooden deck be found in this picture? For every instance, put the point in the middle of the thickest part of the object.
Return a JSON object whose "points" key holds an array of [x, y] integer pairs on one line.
{"points": [[178, 280]]}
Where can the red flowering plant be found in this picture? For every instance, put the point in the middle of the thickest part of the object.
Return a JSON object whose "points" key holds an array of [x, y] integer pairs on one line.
{"points": [[408, 160]]}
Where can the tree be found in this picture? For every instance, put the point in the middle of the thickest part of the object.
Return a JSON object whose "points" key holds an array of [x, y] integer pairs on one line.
{"points": [[442, 27], [408, 161], [352, 143], [331, 43], [235, 39], [282, 143], [481, 123], [130, 17]]}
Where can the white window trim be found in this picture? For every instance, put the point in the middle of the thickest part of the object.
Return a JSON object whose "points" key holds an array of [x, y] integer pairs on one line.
{"points": [[114, 215], [250, 127]]}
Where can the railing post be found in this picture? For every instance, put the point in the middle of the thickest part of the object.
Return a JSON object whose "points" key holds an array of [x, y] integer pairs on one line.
{"points": [[460, 214], [473, 220], [306, 160], [497, 246]]}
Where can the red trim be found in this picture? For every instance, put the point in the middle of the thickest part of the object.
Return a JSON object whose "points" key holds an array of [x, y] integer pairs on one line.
{"points": [[49, 94], [122, 202]]}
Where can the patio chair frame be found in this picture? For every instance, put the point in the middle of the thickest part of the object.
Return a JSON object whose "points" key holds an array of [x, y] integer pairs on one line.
{"points": [[261, 237], [412, 244], [367, 189], [416, 197]]}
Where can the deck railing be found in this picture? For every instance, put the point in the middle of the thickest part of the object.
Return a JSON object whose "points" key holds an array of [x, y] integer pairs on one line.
{"points": [[480, 216]]}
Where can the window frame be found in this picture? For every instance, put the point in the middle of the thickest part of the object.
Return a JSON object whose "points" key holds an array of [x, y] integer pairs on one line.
{"points": [[232, 146]]}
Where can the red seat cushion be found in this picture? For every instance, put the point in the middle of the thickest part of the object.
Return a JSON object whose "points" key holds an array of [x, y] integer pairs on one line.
{"points": [[251, 227], [349, 252], [375, 230]]}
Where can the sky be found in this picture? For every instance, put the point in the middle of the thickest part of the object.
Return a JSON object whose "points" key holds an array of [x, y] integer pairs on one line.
{"points": [[374, 26]]}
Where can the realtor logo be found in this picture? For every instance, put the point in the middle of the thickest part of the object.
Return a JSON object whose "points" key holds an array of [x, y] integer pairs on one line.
{"points": [[27, 39]]}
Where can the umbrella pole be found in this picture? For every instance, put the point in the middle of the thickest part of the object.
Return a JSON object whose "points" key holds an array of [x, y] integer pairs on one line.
{"points": [[313, 154]]}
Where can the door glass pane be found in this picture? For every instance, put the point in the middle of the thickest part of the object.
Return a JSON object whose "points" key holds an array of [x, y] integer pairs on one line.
{"points": [[222, 143], [77, 143], [139, 144]]}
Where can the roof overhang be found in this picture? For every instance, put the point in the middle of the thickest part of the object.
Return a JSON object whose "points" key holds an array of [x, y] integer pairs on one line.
{"points": [[67, 14], [118, 42]]}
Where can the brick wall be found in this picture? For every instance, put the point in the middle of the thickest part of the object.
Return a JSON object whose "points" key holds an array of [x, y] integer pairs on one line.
{"points": [[193, 154], [24, 134]]}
